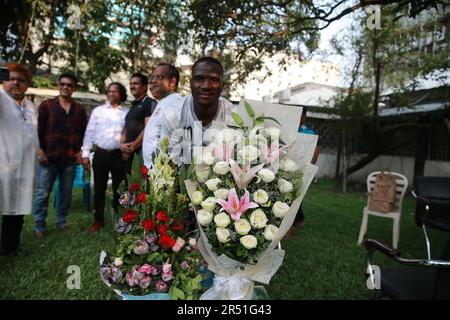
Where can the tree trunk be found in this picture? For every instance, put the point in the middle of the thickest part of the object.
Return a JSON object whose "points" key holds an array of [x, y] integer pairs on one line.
{"points": [[344, 162], [421, 153]]}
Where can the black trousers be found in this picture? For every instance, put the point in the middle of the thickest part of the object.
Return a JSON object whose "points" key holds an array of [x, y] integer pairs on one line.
{"points": [[11, 229], [105, 162], [300, 216]]}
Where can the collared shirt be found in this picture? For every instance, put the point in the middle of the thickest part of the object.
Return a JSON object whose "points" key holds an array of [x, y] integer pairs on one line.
{"points": [[104, 128], [152, 133], [135, 120], [61, 133], [18, 148], [186, 132]]}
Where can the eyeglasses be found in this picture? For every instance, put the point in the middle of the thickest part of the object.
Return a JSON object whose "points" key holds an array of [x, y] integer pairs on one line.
{"points": [[65, 84], [157, 77]]}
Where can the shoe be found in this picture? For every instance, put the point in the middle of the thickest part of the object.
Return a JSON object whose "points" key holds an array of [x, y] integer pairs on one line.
{"points": [[39, 234], [96, 226]]}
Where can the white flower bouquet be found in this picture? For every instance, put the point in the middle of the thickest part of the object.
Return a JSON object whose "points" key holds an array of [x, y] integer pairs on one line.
{"points": [[248, 187]]}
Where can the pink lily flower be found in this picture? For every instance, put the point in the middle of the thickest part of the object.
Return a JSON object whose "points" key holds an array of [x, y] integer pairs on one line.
{"points": [[272, 155], [236, 207], [243, 176], [223, 151]]}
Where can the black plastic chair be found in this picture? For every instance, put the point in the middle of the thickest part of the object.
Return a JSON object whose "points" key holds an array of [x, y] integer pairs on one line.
{"points": [[427, 279]]}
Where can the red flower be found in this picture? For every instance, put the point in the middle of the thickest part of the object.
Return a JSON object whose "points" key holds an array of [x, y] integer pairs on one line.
{"points": [[161, 216], [166, 242], [144, 171], [149, 224], [142, 197], [134, 187], [176, 226], [162, 229], [129, 216]]}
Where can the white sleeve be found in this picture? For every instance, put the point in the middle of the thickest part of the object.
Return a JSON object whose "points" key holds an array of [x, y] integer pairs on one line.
{"points": [[151, 140], [89, 135]]}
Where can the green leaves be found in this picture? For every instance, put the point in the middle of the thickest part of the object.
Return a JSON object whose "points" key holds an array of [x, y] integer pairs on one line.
{"points": [[237, 119]]}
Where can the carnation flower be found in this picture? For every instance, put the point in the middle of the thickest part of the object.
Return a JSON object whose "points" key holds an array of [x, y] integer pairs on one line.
{"points": [[221, 168], [208, 158], [209, 204], [260, 196], [266, 175], [280, 209], [144, 171], [223, 234], [166, 242], [178, 244], [249, 241], [135, 187], [258, 219], [141, 197], [288, 165], [126, 199], [118, 262], [284, 186], [141, 247], [129, 216], [204, 217], [184, 265], [222, 220], [161, 216], [144, 282], [156, 269], [242, 226], [161, 286], [121, 227], [149, 224], [213, 184], [270, 231], [145, 268], [249, 153], [197, 198], [221, 194], [202, 173]]}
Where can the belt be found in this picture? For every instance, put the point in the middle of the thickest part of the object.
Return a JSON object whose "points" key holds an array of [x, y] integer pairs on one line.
{"points": [[107, 150]]}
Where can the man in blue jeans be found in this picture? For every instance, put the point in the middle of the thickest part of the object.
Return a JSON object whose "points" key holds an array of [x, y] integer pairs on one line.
{"points": [[61, 126]]}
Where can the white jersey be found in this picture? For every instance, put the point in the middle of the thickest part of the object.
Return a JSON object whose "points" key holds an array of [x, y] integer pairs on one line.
{"points": [[152, 132], [185, 131], [18, 147]]}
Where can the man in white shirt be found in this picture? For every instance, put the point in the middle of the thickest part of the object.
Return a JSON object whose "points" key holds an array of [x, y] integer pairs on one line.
{"points": [[187, 123], [18, 133], [104, 130], [163, 84]]}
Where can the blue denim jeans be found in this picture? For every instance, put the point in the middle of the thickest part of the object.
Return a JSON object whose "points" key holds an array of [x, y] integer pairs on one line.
{"points": [[45, 178]]}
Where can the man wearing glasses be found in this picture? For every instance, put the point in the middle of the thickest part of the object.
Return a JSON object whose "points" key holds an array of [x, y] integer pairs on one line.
{"points": [[18, 136], [163, 86], [61, 126]]}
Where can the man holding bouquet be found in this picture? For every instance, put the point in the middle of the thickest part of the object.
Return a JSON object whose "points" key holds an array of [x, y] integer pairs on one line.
{"points": [[187, 123]]}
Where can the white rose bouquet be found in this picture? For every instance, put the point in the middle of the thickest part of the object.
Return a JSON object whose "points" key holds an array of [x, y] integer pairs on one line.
{"points": [[247, 202]]}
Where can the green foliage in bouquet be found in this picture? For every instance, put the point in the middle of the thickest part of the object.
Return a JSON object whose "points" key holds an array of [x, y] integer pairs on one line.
{"points": [[241, 204], [155, 251]]}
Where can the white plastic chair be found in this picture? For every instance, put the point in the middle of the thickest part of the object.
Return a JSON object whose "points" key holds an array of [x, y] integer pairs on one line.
{"points": [[401, 186]]}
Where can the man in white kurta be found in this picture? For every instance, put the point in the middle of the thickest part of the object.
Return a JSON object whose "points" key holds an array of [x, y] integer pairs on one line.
{"points": [[163, 84], [18, 149]]}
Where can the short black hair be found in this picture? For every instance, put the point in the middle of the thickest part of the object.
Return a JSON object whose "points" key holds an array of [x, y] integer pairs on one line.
{"points": [[173, 71], [143, 77], [208, 60], [122, 90], [68, 75]]}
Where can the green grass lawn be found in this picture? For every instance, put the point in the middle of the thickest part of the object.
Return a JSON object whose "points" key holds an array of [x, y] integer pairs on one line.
{"points": [[322, 261]]}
